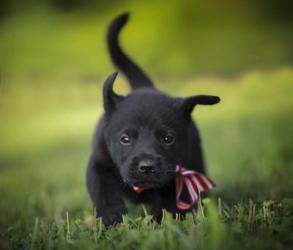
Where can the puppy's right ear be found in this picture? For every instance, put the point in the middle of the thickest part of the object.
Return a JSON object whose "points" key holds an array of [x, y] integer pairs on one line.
{"points": [[111, 99]]}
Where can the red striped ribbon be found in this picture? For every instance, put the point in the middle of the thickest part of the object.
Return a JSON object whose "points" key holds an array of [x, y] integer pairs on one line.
{"points": [[194, 182]]}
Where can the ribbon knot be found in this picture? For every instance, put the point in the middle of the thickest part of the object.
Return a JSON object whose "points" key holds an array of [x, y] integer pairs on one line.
{"points": [[194, 182]]}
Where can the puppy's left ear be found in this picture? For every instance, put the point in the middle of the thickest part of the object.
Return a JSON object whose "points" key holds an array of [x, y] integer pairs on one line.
{"points": [[187, 104], [111, 99]]}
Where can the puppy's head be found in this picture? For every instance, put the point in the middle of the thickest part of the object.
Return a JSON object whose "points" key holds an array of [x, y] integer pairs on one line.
{"points": [[147, 133]]}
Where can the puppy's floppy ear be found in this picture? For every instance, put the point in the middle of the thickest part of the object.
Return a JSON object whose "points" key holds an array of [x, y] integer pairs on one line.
{"points": [[187, 104], [111, 99]]}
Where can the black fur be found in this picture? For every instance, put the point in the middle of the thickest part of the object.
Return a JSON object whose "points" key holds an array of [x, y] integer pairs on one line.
{"points": [[136, 77], [139, 141]]}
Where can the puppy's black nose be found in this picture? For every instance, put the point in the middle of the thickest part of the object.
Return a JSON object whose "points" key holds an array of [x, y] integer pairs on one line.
{"points": [[146, 166]]}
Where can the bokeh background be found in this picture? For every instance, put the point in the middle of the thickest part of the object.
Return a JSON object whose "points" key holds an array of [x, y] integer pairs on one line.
{"points": [[53, 61]]}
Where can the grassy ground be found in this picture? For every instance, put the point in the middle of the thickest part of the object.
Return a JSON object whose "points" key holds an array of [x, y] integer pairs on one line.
{"points": [[248, 145]]}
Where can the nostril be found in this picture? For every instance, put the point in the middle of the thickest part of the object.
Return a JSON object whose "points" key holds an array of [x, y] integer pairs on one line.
{"points": [[146, 168]]}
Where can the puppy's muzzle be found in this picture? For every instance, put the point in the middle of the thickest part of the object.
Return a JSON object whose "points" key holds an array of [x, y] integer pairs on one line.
{"points": [[147, 171], [146, 165]]}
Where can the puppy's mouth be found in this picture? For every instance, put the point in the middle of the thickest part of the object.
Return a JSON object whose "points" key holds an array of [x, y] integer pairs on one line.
{"points": [[149, 181], [145, 184]]}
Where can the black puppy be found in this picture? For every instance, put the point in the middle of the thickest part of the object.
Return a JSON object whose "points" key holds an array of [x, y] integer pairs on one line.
{"points": [[140, 140]]}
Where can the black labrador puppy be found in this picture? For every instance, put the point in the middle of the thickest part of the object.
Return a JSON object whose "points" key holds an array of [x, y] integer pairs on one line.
{"points": [[140, 140]]}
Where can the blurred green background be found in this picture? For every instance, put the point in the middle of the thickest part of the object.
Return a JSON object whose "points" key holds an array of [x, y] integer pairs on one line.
{"points": [[53, 61]]}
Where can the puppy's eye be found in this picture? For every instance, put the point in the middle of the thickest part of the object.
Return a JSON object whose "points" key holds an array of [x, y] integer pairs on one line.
{"points": [[168, 139], [125, 140]]}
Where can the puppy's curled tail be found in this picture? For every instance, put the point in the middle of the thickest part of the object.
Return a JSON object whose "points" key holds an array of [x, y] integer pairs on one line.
{"points": [[136, 77]]}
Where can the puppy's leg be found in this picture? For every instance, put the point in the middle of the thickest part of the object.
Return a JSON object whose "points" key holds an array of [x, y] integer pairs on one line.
{"points": [[157, 211], [105, 190], [165, 201]]}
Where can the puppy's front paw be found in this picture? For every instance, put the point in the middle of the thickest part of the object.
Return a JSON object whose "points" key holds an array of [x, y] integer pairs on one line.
{"points": [[112, 219]]}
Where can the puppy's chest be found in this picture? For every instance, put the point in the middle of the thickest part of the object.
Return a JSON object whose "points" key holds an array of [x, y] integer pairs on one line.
{"points": [[150, 196]]}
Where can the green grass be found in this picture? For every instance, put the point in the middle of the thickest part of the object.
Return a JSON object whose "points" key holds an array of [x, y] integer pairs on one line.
{"points": [[240, 226], [45, 144]]}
